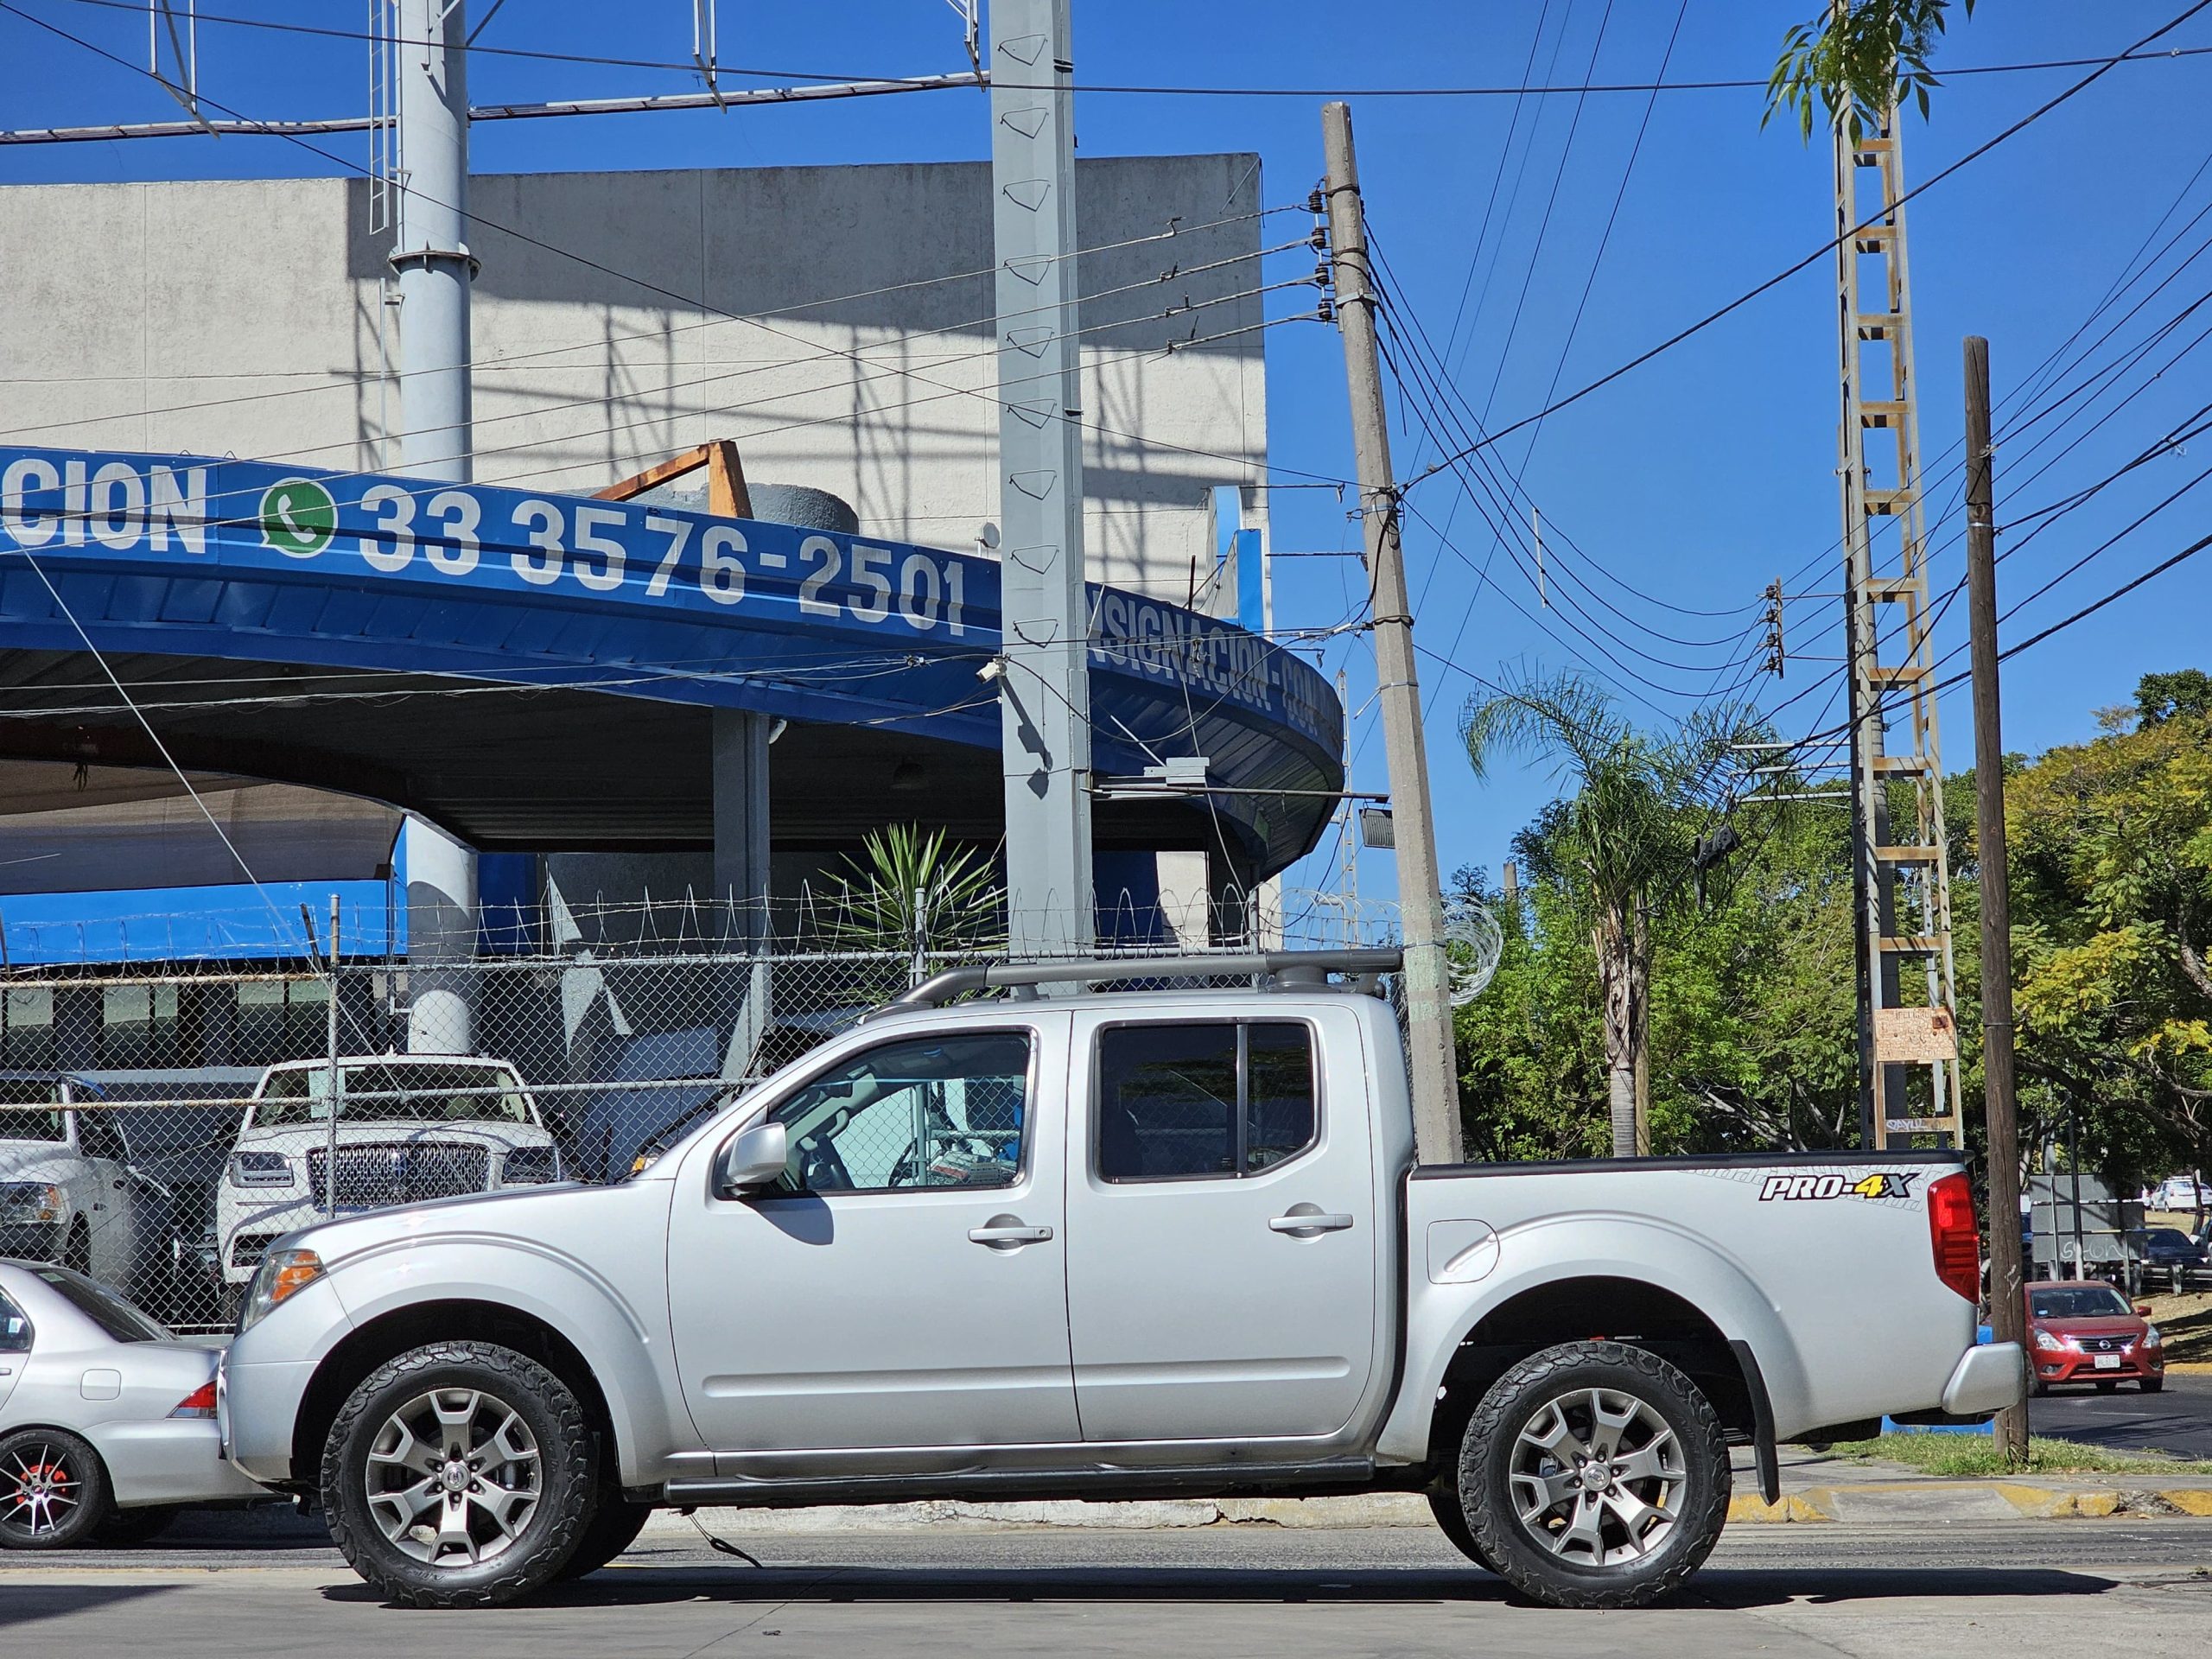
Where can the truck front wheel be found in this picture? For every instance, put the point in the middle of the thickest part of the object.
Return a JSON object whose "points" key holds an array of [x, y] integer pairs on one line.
{"points": [[459, 1475], [1594, 1474]]}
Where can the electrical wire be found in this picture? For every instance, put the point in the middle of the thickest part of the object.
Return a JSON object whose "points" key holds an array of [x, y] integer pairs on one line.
{"points": [[2105, 67], [689, 68]]}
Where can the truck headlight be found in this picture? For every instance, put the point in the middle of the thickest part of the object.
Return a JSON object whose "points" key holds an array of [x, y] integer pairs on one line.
{"points": [[261, 1169], [530, 1167], [282, 1275], [31, 1202]]}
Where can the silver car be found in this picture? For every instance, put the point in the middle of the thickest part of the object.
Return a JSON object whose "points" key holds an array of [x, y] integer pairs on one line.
{"points": [[107, 1422]]}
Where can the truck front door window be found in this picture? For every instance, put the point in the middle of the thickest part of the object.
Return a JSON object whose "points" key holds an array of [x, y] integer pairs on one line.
{"points": [[1183, 1101], [927, 1112]]}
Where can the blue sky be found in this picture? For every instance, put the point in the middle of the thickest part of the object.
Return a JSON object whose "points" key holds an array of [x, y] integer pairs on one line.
{"points": [[1692, 482]]}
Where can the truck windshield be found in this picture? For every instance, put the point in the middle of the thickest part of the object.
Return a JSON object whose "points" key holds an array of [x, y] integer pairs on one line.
{"points": [[411, 1093], [2078, 1302]]}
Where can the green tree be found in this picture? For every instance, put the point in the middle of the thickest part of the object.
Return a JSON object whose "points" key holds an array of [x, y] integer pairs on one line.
{"points": [[1858, 59], [1626, 838], [2112, 876], [2160, 698]]}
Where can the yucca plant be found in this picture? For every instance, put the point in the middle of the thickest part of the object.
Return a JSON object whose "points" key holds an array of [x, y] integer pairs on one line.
{"points": [[907, 885]]}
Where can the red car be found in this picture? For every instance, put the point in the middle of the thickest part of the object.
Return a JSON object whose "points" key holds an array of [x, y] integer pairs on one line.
{"points": [[2083, 1331]]}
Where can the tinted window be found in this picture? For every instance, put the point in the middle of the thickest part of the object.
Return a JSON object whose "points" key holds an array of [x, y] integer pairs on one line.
{"points": [[21, 1118], [2169, 1236], [2077, 1302], [101, 1306], [15, 1329], [435, 1094], [98, 1137], [1178, 1101], [931, 1111]]}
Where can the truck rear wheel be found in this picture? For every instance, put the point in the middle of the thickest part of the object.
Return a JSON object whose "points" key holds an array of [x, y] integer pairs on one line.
{"points": [[1594, 1475], [459, 1475]]}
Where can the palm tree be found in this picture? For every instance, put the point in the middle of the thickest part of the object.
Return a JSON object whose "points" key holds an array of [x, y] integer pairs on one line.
{"points": [[1630, 835], [909, 886]]}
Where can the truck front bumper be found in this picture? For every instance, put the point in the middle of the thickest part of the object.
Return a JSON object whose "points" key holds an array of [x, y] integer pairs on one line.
{"points": [[1987, 1379]]}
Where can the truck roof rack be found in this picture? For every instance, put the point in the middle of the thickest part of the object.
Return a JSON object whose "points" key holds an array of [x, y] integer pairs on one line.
{"points": [[1289, 969]]}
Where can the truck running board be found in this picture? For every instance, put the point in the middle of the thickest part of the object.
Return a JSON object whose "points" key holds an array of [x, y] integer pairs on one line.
{"points": [[1097, 1482]]}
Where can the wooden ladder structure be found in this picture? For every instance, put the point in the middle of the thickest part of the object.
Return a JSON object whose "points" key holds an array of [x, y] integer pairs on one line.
{"points": [[1891, 666]]}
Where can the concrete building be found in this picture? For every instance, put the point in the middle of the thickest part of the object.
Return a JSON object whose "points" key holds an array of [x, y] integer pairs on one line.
{"points": [[836, 321]]}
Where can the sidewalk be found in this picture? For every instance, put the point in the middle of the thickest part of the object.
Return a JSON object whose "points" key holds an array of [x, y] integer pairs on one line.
{"points": [[1814, 1488]]}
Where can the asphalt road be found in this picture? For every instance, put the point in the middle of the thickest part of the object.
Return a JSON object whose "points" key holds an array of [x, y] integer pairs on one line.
{"points": [[2106, 1586], [2177, 1421]]}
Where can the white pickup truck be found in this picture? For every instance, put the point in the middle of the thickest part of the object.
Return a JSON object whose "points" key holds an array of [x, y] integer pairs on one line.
{"points": [[1104, 1245]]}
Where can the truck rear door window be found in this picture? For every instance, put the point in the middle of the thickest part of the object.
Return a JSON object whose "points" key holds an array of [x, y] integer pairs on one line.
{"points": [[1180, 1101]]}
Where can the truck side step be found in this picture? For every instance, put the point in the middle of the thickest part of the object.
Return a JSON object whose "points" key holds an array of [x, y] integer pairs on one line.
{"points": [[1093, 1481]]}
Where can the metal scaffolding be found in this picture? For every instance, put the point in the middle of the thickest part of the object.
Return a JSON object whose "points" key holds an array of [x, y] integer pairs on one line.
{"points": [[1903, 886]]}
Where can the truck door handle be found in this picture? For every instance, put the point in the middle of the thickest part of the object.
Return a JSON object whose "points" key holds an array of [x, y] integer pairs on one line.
{"points": [[1309, 1221], [1007, 1233]]}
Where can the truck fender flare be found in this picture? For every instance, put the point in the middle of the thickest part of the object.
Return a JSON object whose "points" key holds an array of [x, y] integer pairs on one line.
{"points": [[1639, 1249]]}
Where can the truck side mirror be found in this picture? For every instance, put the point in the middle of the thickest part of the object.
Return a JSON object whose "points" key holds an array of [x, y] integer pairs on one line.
{"points": [[752, 1158]]}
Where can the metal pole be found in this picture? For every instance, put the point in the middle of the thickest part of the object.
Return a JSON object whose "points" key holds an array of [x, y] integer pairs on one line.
{"points": [[1044, 694], [431, 252], [336, 1091], [2007, 1319], [1420, 897]]}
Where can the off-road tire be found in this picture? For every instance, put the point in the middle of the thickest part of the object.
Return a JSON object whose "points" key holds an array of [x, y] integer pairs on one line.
{"points": [[567, 1496], [1452, 1520], [614, 1527], [50, 1451], [1508, 1548], [127, 1528]]}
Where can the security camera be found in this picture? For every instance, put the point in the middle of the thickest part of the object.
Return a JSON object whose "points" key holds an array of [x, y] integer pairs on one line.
{"points": [[993, 669]]}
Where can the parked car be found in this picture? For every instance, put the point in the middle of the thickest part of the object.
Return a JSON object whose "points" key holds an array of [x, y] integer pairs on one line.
{"points": [[107, 1423], [2168, 1249], [1127, 1244], [2179, 1193], [68, 1191], [412, 1128], [2084, 1330]]}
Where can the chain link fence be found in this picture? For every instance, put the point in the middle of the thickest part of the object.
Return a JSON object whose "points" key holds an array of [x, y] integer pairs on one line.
{"points": [[163, 1121]]}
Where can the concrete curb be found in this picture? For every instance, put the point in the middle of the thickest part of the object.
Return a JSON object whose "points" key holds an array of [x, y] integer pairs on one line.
{"points": [[1863, 1502]]}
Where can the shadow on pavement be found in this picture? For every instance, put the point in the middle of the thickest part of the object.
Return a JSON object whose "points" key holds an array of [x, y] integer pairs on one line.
{"points": [[26, 1604], [621, 1586]]}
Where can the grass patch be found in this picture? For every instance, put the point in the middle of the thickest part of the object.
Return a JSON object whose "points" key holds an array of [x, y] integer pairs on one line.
{"points": [[1969, 1455]]}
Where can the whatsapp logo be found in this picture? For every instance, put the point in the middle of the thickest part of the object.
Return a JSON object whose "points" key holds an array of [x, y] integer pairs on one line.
{"points": [[298, 518]]}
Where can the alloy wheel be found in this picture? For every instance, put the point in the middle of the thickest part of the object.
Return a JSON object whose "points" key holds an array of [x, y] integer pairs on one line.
{"points": [[39, 1492], [1597, 1478], [453, 1477]]}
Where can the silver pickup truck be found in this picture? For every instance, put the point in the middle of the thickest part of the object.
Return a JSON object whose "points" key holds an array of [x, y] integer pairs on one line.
{"points": [[1111, 1244]]}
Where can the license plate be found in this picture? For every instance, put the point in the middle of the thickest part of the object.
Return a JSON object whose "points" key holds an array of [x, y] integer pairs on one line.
{"points": [[2107, 1362]]}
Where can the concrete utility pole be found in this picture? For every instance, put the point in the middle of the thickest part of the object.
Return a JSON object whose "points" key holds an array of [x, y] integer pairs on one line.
{"points": [[430, 252], [1045, 694], [1420, 896], [2007, 1317]]}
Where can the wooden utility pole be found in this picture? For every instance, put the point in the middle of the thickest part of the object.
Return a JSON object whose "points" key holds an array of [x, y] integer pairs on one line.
{"points": [[1421, 896], [2007, 1317]]}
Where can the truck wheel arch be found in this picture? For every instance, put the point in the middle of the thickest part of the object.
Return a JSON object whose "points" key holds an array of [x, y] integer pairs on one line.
{"points": [[1690, 1303], [370, 1344]]}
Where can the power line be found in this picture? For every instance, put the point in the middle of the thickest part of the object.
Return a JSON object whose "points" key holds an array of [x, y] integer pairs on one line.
{"points": [[2106, 66], [655, 288], [687, 68]]}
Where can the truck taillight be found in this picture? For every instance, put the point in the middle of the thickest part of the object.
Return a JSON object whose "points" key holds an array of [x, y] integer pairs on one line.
{"points": [[1953, 1235]]}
